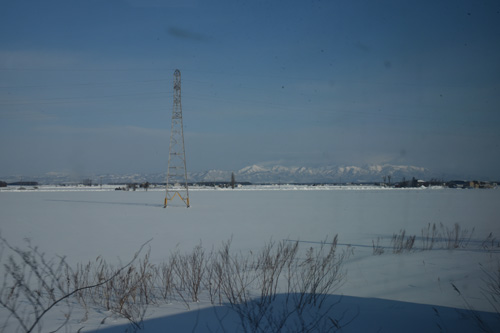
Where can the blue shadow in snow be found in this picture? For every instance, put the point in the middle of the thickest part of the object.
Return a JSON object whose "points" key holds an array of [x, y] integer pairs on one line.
{"points": [[354, 314]]}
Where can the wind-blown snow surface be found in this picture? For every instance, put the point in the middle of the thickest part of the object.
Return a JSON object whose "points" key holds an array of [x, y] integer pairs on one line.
{"points": [[390, 292]]}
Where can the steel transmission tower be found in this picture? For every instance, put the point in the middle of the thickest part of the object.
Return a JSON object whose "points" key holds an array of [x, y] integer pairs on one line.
{"points": [[176, 172]]}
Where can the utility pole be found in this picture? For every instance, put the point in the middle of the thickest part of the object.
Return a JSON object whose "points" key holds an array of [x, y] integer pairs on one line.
{"points": [[176, 172]]}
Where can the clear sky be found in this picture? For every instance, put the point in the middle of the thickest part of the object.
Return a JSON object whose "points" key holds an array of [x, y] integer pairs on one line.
{"points": [[86, 85]]}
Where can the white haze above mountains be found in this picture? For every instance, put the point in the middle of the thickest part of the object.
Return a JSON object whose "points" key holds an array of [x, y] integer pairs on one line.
{"points": [[334, 174], [260, 174]]}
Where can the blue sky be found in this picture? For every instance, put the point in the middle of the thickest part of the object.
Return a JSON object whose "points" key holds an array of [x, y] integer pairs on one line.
{"points": [[86, 86]]}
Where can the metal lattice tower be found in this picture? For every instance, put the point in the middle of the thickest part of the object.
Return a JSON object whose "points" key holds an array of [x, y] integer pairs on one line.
{"points": [[176, 172]]}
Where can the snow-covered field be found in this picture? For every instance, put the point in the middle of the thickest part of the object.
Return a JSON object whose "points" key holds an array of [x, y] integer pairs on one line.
{"points": [[387, 293]]}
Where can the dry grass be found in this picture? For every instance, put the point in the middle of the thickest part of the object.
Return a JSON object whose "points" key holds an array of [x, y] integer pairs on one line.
{"points": [[280, 287], [434, 236], [402, 243]]}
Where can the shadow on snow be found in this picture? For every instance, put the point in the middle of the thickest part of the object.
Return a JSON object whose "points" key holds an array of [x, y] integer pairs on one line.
{"points": [[352, 314]]}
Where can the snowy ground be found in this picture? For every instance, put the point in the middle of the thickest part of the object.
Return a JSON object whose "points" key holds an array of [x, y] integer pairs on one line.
{"points": [[387, 293]]}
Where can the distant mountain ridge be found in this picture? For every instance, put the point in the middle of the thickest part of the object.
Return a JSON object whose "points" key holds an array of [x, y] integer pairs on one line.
{"points": [[256, 174], [331, 174]]}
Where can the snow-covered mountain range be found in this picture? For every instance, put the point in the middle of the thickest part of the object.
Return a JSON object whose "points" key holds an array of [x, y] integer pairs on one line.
{"points": [[330, 174], [255, 174]]}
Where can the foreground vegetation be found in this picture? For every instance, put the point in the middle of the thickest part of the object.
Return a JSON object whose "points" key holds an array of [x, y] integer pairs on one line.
{"points": [[279, 288], [435, 236]]}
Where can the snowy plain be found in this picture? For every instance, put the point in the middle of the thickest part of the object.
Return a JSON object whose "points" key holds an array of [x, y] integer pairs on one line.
{"points": [[390, 292]]}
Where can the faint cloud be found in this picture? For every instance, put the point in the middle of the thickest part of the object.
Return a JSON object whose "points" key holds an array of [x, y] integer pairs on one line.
{"points": [[163, 3], [186, 34], [362, 47], [15, 59], [27, 115], [114, 130]]}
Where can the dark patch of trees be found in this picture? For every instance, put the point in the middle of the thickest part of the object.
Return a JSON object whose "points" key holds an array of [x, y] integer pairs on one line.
{"points": [[24, 184], [233, 182]]}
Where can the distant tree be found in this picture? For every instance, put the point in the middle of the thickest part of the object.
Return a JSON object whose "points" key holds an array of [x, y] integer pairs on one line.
{"points": [[436, 181], [233, 182], [414, 182], [132, 186], [3, 184], [146, 186], [405, 183]]}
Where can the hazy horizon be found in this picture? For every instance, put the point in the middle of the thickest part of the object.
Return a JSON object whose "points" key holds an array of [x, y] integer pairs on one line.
{"points": [[261, 173]]}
